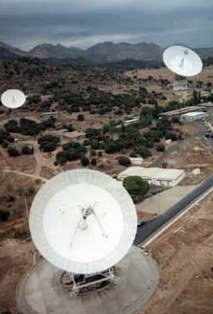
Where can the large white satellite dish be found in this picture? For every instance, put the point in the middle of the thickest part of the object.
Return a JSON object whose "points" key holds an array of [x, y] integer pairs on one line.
{"points": [[83, 221], [182, 61], [13, 98]]}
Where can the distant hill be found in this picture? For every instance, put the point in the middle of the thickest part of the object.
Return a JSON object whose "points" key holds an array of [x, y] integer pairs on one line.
{"points": [[6, 55], [49, 51], [99, 53], [205, 52], [110, 52], [15, 51]]}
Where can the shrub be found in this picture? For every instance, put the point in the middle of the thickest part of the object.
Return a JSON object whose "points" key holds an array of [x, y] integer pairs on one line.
{"points": [[80, 117], [124, 161], [70, 128], [160, 147], [27, 150], [100, 154], [12, 151], [4, 215], [136, 186], [84, 161], [48, 143], [93, 162]]}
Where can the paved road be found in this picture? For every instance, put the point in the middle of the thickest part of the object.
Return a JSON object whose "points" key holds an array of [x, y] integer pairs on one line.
{"points": [[150, 227]]}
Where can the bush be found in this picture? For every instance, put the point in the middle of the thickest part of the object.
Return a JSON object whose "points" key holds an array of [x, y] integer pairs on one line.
{"points": [[160, 148], [93, 162], [27, 150], [124, 161], [84, 161], [100, 154], [12, 151], [136, 186], [48, 143], [80, 117], [142, 151], [4, 215], [70, 128]]}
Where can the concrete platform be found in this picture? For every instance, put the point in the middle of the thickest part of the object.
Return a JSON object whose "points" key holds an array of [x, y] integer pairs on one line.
{"points": [[161, 202], [41, 292]]}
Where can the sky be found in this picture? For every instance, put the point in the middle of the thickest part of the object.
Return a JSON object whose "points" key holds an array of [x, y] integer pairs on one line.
{"points": [[83, 23]]}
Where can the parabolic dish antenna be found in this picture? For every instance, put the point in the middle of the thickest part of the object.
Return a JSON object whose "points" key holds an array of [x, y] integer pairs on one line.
{"points": [[83, 221], [13, 98], [182, 61]]}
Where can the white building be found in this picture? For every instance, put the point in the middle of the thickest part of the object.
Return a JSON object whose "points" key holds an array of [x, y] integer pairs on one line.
{"points": [[180, 86], [155, 176], [131, 121], [193, 116], [136, 161], [75, 136]]}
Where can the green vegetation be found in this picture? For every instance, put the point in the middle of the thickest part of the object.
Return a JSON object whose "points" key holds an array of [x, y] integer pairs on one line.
{"points": [[48, 143], [84, 161], [136, 186], [13, 151], [124, 161], [71, 151], [4, 215], [29, 127]]}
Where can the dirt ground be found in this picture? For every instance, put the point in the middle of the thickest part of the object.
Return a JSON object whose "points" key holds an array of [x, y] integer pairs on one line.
{"points": [[16, 257], [185, 256], [205, 75]]}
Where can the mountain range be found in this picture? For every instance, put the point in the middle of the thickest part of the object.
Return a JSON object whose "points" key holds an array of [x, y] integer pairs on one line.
{"points": [[99, 53]]}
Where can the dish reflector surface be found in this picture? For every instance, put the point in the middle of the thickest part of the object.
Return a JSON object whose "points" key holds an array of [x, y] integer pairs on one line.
{"points": [[182, 61], [83, 221], [13, 98]]}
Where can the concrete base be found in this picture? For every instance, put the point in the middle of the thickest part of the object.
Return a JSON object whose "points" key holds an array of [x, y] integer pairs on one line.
{"points": [[41, 292]]}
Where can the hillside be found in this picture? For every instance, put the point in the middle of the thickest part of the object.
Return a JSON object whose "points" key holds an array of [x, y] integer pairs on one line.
{"points": [[99, 53]]}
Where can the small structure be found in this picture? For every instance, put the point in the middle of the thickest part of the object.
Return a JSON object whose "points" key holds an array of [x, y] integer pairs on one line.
{"points": [[155, 176], [131, 121], [75, 135], [178, 112], [58, 133], [136, 161], [46, 97], [48, 114], [180, 85], [193, 116]]}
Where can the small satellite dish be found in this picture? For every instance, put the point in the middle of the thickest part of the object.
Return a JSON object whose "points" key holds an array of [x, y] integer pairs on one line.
{"points": [[182, 61], [13, 98], [83, 221]]}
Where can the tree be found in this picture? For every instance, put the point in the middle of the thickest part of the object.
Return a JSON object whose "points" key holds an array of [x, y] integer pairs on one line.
{"points": [[142, 151], [70, 128], [80, 117], [12, 151], [106, 128], [136, 186], [93, 162], [4, 215], [27, 150], [160, 147], [48, 143], [84, 161], [124, 161]]}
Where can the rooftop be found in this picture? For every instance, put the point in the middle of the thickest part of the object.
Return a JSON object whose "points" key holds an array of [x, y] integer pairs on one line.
{"points": [[194, 114], [182, 110], [159, 173], [74, 134]]}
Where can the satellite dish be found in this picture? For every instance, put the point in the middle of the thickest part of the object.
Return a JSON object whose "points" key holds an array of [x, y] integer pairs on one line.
{"points": [[13, 98], [182, 61], [83, 221]]}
